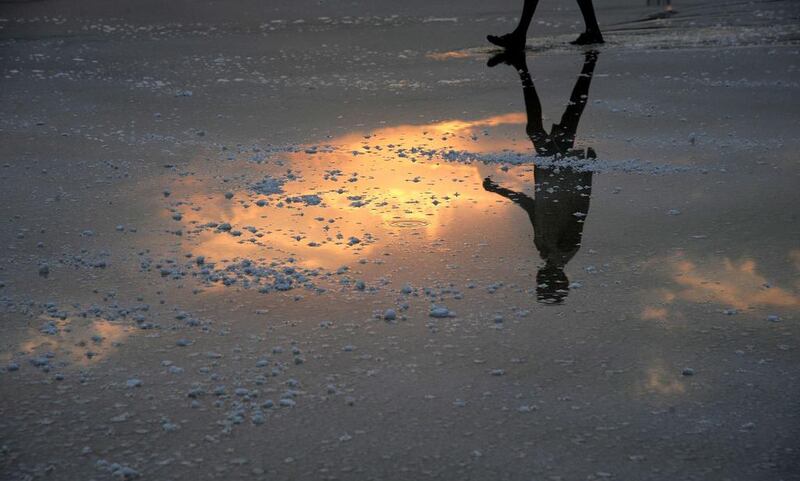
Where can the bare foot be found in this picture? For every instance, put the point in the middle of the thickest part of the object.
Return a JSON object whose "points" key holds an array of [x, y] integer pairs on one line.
{"points": [[508, 41], [588, 38]]}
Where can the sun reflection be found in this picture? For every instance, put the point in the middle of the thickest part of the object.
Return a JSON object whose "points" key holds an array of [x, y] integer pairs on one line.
{"points": [[449, 55], [81, 340], [662, 381], [651, 313], [735, 285], [794, 255], [730, 283], [344, 201]]}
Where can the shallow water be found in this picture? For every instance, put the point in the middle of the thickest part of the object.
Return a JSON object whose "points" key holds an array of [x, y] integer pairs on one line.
{"points": [[328, 242]]}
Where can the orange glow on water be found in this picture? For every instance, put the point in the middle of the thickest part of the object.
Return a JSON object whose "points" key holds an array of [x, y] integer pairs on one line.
{"points": [[370, 186]]}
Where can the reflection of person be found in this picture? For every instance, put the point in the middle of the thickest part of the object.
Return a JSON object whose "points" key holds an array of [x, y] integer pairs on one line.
{"points": [[561, 199], [516, 39]]}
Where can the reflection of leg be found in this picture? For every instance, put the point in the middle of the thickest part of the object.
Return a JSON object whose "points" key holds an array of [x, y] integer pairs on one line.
{"points": [[592, 33], [533, 110], [577, 102], [517, 197], [516, 39]]}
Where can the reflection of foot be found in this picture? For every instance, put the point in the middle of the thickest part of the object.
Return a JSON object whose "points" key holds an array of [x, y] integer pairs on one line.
{"points": [[489, 185], [514, 58], [508, 41], [591, 56], [588, 38]]}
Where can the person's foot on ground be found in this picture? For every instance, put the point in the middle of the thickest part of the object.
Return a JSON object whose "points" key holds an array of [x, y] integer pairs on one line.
{"points": [[508, 41], [588, 38]]}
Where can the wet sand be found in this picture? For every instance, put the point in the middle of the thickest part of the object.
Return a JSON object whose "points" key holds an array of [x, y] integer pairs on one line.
{"points": [[324, 241]]}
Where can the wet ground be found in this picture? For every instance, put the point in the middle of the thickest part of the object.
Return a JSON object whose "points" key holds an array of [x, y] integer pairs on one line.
{"points": [[325, 241]]}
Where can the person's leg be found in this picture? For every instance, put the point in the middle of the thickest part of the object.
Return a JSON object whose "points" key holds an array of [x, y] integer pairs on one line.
{"points": [[528, 9], [592, 34], [516, 39]]}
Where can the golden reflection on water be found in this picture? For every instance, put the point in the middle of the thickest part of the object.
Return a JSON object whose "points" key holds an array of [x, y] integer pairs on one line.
{"points": [[730, 283], [725, 282], [663, 381], [75, 338], [451, 54], [794, 256], [376, 187]]}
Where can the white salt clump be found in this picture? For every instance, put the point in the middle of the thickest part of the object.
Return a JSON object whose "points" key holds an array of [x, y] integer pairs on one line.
{"points": [[258, 418], [308, 199], [121, 418], [124, 472], [268, 186], [133, 382], [441, 312], [168, 426]]}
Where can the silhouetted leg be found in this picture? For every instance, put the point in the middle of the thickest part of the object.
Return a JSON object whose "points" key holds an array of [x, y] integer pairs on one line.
{"points": [[592, 34], [516, 39], [528, 9], [542, 142], [517, 197], [533, 110], [566, 129]]}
